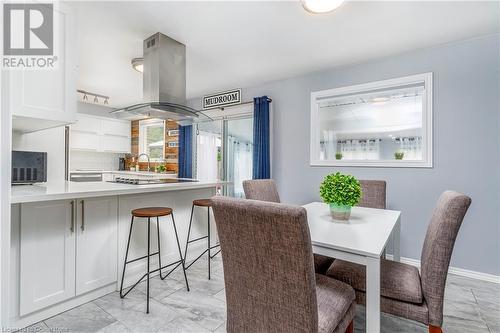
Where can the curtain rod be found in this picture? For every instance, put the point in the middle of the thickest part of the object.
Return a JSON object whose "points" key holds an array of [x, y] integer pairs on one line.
{"points": [[231, 106]]}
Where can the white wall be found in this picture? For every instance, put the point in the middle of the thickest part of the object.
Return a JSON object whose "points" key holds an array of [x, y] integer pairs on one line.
{"points": [[88, 160], [5, 178], [466, 143]]}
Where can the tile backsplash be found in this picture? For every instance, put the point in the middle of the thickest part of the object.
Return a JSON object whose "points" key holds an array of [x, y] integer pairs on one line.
{"points": [[87, 160]]}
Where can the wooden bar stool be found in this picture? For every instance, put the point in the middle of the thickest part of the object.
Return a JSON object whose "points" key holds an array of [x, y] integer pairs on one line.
{"points": [[152, 212], [201, 203]]}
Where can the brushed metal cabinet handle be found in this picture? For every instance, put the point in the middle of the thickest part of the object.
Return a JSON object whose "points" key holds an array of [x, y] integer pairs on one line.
{"points": [[72, 226], [83, 215]]}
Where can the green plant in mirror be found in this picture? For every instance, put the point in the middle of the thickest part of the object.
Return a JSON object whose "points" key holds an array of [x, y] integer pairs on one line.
{"points": [[340, 189], [338, 156], [399, 155]]}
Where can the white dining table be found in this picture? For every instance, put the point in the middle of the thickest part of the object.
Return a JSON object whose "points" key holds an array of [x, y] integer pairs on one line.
{"points": [[362, 240]]}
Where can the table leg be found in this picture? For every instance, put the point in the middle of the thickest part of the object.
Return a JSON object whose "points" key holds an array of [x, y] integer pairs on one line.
{"points": [[396, 241], [373, 295]]}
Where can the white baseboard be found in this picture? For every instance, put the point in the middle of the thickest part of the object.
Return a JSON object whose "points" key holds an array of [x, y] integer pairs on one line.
{"points": [[456, 271]]}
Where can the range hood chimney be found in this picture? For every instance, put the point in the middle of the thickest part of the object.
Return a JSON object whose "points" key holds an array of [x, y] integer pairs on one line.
{"points": [[164, 82], [164, 70]]}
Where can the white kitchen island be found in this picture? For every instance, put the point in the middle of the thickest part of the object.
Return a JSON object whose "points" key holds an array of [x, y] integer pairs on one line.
{"points": [[68, 240]]}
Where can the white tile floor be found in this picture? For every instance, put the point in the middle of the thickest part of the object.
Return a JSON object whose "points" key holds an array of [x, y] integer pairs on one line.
{"points": [[470, 306]]}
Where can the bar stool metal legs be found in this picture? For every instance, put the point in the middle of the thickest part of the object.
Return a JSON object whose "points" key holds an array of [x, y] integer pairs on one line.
{"points": [[152, 212], [201, 203], [182, 263]]}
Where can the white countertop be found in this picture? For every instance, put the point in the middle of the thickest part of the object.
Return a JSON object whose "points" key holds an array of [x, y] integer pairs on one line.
{"points": [[73, 190], [128, 172]]}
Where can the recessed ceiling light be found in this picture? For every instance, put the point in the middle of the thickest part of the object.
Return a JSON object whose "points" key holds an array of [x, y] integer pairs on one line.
{"points": [[321, 6], [138, 64], [380, 99]]}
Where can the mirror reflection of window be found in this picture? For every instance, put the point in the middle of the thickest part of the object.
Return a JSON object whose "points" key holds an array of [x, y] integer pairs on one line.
{"points": [[152, 138], [373, 125]]}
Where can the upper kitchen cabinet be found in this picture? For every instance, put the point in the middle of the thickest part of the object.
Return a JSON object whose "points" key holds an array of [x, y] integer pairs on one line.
{"points": [[45, 98], [91, 133]]}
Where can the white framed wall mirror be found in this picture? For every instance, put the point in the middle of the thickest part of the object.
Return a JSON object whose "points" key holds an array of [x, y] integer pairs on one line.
{"points": [[378, 124]]}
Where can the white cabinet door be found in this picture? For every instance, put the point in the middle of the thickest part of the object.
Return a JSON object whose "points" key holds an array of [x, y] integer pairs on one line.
{"points": [[86, 124], [115, 144], [116, 128], [47, 254], [48, 95], [84, 141], [96, 243], [100, 134]]}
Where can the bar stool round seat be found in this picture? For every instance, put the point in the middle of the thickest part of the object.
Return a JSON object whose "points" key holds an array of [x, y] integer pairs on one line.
{"points": [[202, 202], [152, 211]]}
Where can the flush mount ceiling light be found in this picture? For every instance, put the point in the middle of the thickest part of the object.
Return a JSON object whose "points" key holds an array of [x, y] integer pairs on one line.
{"points": [[138, 64], [321, 6], [380, 99]]}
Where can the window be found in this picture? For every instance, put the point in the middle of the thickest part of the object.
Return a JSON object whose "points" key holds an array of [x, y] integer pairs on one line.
{"points": [[152, 138], [384, 123]]}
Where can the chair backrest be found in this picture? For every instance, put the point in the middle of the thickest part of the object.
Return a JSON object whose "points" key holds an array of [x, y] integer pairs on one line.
{"points": [[374, 195], [261, 189], [438, 247], [268, 266]]}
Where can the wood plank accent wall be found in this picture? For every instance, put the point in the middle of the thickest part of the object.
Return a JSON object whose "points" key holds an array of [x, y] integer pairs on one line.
{"points": [[135, 137], [171, 153]]}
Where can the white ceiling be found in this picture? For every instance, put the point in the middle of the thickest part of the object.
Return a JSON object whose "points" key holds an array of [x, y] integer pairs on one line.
{"points": [[245, 43]]}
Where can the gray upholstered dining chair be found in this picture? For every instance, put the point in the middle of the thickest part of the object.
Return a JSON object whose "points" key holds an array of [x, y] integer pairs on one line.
{"points": [[265, 190], [374, 196], [405, 292], [269, 274], [261, 189]]}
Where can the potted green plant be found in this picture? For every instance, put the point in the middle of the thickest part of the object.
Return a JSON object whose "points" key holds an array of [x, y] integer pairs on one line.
{"points": [[338, 156], [399, 155], [160, 168], [341, 192]]}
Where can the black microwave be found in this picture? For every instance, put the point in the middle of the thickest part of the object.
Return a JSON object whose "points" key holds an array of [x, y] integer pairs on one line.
{"points": [[29, 167]]}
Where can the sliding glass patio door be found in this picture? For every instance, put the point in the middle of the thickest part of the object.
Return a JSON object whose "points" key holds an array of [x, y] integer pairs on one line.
{"points": [[224, 149], [238, 154], [209, 151]]}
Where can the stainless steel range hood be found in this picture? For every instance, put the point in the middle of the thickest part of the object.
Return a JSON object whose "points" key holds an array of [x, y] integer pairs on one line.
{"points": [[164, 82]]}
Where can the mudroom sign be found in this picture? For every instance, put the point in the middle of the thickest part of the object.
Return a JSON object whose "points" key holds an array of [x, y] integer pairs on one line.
{"points": [[222, 99]]}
